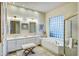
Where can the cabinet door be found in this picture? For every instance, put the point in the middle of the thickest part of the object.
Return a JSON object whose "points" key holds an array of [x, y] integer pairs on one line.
{"points": [[1, 49], [32, 40], [19, 43], [12, 45], [37, 40], [26, 41]]}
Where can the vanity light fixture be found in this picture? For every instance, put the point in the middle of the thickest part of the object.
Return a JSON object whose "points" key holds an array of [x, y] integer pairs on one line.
{"points": [[14, 17]]}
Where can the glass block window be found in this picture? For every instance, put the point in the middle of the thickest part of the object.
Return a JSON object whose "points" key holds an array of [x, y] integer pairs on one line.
{"points": [[56, 26]]}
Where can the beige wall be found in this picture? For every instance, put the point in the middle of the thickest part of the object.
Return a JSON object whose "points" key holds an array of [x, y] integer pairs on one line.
{"points": [[23, 13], [78, 29], [66, 10], [0, 22]]}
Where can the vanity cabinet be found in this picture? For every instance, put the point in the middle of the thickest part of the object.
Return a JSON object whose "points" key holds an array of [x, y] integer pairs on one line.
{"points": [[12, 45], [27, 40], [19, 43], [1, 49], [37, 40], [31, 40], [16, 44]]}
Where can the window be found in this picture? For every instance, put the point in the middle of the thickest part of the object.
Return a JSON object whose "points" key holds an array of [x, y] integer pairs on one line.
{"points": [[14, 27], [56, 26]]}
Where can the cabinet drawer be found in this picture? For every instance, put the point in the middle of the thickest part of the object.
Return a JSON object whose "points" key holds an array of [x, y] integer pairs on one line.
{"points": [[12, 45], [31, 40], [37, 40], [26, 41], [1, 49], [19, 43]]}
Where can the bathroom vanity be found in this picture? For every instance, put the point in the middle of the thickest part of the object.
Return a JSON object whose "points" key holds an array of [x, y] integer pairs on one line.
{"points": [[1, 49], [17, 42]]}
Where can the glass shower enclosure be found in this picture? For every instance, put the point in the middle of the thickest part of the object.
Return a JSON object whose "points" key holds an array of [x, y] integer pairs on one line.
{"points": [[71, 41]]}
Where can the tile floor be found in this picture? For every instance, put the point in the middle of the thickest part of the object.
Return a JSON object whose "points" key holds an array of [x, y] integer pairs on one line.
{"points": [[39, 51]]}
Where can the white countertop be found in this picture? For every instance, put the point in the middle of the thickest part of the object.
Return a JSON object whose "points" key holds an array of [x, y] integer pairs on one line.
{"points": [[20, 37]]}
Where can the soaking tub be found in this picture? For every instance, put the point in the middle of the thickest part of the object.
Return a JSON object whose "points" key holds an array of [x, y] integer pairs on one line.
{"points": [[55, 45]]}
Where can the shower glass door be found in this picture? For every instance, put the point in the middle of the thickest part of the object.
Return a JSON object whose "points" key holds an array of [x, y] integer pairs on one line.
{"points": [[71, 41]]}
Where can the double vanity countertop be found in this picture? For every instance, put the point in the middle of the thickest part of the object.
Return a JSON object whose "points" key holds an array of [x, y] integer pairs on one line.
{"points": [[20, 37]]}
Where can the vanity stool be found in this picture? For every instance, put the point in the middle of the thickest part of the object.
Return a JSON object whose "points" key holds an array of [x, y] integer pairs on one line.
{"points": [[28, 48]]}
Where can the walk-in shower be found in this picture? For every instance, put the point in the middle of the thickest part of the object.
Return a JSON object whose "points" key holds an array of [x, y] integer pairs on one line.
{"points": [[71, 41]]}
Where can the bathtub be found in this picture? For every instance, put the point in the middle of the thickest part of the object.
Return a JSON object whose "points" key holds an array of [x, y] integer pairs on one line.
{"points": [[54, 45]]}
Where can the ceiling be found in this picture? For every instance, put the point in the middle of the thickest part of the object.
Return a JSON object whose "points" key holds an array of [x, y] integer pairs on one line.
{"points": [[40, 6]]}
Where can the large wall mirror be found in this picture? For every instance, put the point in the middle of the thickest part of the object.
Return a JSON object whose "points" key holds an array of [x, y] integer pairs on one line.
{"points": [[14, 27], [32, 27]]}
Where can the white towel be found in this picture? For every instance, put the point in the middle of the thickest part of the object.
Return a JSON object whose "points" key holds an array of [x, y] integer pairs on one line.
{"points": [[70, 42]]}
